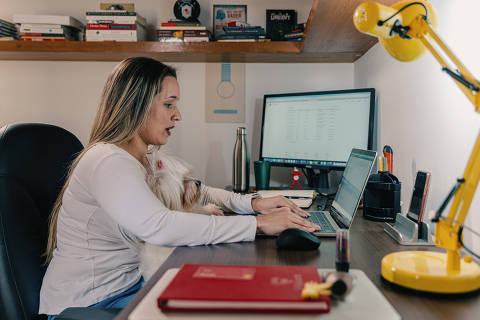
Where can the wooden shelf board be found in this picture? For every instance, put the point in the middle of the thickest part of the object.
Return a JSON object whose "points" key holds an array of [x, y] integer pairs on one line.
{"points": [[167, 51], [330, 36]]}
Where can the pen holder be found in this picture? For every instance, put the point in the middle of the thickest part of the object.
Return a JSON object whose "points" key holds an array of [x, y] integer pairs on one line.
{"points": [[381, 199]]}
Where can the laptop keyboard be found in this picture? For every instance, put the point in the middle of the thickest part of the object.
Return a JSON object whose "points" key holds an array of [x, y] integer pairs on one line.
{"points": [[320, 219]]}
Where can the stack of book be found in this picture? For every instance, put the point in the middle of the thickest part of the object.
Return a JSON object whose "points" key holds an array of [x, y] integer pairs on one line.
{"points": [[115, 25], [182, 31], [242, 33], [40, 27], [8, 31], [295, 34]]}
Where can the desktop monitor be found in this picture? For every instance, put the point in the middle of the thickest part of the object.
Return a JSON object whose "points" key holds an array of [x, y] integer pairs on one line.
{"points": [[316, 130]]}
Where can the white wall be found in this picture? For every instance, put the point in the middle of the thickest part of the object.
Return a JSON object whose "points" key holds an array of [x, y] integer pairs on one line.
{"points": [[67, 94], [423, 115]]}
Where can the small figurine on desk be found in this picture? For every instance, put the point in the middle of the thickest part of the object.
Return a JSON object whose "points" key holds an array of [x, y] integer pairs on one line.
{"points": [[295, 177]]}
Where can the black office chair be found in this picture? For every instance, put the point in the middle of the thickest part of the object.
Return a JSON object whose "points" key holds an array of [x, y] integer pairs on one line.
{"points": [[34, 161]]}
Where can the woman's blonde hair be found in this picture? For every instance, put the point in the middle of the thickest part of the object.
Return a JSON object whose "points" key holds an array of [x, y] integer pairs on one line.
{"points": [[122, 111]]}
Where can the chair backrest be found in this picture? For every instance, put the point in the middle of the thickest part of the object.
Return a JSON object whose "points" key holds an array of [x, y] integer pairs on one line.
{"points": [[34, 161]]}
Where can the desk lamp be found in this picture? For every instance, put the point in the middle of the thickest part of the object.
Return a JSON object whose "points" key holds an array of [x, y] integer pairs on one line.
{"points": [[406, 30]]}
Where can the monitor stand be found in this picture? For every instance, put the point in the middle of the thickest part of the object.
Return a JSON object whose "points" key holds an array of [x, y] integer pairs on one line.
{"points": [[319, 181]]}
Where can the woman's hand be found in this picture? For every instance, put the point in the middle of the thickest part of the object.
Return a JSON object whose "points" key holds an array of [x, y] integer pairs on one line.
{"points": [[280, 219], [269, 205]]}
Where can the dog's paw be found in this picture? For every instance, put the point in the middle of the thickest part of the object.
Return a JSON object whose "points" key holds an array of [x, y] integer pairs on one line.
{"points": [[212, 210]]}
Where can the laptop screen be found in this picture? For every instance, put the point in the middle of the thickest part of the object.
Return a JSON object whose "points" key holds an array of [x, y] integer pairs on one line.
{"points": [[354, 180]]}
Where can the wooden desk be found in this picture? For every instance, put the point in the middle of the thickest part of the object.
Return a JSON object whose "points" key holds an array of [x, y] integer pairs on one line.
{"points": [[369, 243]]}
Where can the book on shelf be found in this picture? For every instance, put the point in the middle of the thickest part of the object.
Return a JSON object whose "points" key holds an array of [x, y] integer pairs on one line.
{"points": [[183, 35], [40, 25], [41, 30], [69, 33], [239, 40], [231, 31], [111, 26], [62, 32], [115, 31], [119, 38], [244, 38], [52, 39], [241, 288], [8, 32], [110, 32], [180, 24], [35, 34], [279, 22], [181, 28], [48, 19], [185, 39], [113, 35], [111, 13], [112, 17], [8, 28], [6, 23]]}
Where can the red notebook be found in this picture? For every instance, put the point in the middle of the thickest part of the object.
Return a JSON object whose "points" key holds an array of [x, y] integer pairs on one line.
{"points": [[241, 288]]}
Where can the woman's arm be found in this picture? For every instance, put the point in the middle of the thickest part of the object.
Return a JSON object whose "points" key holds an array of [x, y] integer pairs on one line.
{"points": [[118, 185], [248, 203]]}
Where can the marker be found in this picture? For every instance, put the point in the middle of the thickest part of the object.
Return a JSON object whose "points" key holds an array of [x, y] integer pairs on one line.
{"points": [[388, 153], [342, 257]]}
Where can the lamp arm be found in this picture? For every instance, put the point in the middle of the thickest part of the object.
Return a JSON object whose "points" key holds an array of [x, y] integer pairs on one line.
{"points": [[447, 230]]}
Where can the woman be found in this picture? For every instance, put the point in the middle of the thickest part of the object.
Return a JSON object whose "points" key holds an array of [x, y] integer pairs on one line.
{"points": [[106, 208]]}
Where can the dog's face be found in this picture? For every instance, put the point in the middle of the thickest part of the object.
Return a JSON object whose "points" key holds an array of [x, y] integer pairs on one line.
{"points": [[170, 180]]}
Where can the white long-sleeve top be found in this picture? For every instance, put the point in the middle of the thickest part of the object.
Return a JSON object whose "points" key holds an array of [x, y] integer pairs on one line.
{"points": [[107, 209]]}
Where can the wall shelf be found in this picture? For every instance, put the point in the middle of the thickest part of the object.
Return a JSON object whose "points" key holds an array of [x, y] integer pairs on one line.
{"points": [[164, 51], [329, 37]]}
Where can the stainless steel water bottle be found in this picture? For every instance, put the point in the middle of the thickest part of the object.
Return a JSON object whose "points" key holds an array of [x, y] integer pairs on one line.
{"points": [[241, 162]]}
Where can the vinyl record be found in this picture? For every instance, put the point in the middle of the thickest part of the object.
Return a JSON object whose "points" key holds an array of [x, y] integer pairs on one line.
{"points": [[188, 10]]}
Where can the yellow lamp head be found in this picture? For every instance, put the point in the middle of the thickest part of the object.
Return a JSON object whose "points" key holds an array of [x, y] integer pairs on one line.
{"points": [[367, 16]]}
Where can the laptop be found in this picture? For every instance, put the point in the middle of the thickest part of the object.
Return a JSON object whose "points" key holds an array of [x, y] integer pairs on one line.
{"points": [[340, 214]]}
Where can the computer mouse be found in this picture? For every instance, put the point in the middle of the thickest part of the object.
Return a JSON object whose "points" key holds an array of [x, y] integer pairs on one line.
{"points": [[297, 239]]}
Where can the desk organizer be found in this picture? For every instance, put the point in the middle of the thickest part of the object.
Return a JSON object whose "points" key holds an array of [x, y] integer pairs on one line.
{"points": [[405, 232], [381, 198]]}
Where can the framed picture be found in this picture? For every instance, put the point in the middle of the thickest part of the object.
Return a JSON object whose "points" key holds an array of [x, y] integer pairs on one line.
{"points": [[223, 14]]}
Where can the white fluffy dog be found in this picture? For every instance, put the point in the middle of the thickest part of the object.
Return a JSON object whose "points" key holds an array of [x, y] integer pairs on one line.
{"points": [[170, 179]]}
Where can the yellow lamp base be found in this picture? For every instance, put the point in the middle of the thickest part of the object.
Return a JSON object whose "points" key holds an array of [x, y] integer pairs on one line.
{"points": [[427, 271]]}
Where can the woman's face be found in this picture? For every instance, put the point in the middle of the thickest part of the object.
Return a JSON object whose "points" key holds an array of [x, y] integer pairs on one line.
{"points": [[163, 114]]}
